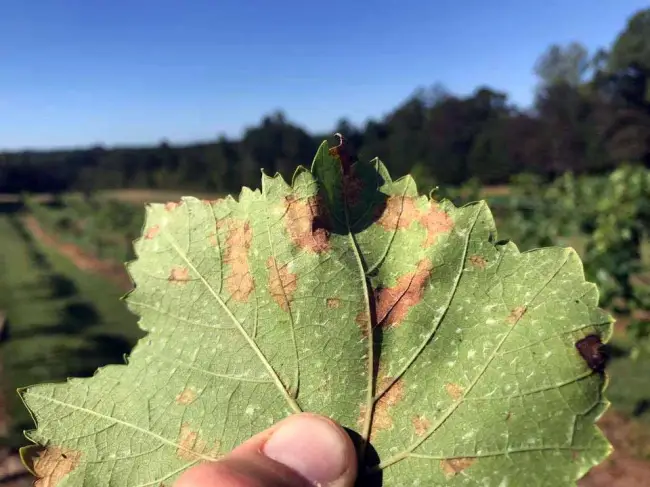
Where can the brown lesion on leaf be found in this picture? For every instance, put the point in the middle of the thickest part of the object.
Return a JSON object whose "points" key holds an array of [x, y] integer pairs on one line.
{"points": [[399, 212], [179, 275], [421, 425], [381, 414], [152, 232], [478, 261], [212, 202], [282, 283], [393, 303], [307, 223], [362, 322], [191, 447], [508, 416], [454, 391], [53, 464], [239, 281], [333, 303], [187, 397], [437, 222], [454, 466], [516, 314], [172, 205]]}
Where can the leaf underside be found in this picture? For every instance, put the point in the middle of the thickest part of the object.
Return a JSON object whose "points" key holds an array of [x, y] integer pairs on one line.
{"points": [[351, 296]]}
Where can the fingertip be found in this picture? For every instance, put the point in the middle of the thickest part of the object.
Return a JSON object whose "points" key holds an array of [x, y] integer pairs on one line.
{"points": [[302, 450]]}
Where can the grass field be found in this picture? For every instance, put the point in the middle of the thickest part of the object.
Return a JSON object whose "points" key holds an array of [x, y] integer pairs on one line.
{"points": [[61, 321]]}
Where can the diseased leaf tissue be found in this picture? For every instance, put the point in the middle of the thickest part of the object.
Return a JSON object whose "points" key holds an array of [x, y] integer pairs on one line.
{"points": [[349, 295]]}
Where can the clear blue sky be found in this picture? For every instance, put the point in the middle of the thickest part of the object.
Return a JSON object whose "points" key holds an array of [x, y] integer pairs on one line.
{"points": [[79, 72]]}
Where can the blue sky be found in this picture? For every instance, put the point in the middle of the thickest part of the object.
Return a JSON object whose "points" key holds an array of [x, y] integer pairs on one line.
{"points": [[81, 72]]}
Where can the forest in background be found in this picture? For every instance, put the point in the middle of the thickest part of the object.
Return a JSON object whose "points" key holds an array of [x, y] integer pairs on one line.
{"points": [[591, 114]]}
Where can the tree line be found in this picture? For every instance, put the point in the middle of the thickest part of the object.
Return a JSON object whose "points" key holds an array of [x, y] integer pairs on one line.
{"points": [[591, 113]]}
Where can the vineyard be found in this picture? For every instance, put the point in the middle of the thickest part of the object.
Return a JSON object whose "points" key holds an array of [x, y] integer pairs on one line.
{"points": [[63, 275]]}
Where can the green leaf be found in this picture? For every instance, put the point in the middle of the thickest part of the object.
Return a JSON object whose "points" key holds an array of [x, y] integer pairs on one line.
{"points": [[342, 294]]}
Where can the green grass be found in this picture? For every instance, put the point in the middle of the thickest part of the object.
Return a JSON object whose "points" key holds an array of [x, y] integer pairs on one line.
{"points": [[63, 322]]}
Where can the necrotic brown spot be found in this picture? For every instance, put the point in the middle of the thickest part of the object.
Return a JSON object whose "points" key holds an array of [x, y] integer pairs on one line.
{"points": [[421, 425], [592, 352], [395, 302], [239, 281], [399, 212], [478, 261], [172, 205], [211, 202], [53, 464], [362, 322], [307, 223], [179, 275], [188, 396], [282, 283], [152, 232], [333, 303], [437, 222], [381, 416], [191, 447], [454, 390], [516, 314], [454, 466]]}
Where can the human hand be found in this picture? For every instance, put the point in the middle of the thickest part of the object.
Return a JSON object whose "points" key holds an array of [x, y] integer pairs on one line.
{"points": [[300, 451]]}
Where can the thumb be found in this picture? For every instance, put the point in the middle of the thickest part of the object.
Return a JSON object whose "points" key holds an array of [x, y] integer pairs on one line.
{"points": [[300, 451]]}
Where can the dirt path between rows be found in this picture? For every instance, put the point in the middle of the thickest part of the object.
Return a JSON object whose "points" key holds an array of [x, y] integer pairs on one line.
{"points": [[113, 271]]}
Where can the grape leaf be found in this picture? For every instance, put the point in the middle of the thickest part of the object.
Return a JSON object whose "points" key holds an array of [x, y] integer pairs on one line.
{"points": [[349, 295]]}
